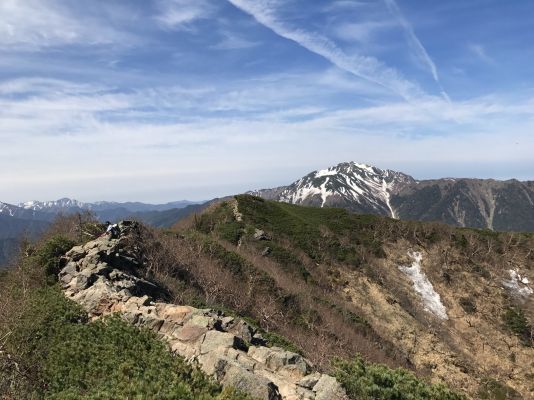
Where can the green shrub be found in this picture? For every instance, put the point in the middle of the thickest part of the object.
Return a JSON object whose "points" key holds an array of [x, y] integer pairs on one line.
{"points": [[461, 241], [49, 252], [468, 304], [515, 321], [229, 259], [288, 260], [231, 231], [324, 234], [272, 338], [70, 358], [366, 381], [490, 389]]}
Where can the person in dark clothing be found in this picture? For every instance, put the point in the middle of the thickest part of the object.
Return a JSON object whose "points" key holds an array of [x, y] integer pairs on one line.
{"points": [[112, 230]]}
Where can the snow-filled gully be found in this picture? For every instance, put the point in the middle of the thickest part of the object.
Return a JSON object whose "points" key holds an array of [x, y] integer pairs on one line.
{"points": [[431, 299]]}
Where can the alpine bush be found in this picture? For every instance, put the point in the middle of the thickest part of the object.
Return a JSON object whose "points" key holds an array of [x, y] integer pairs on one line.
{"points": [[367, 381]]}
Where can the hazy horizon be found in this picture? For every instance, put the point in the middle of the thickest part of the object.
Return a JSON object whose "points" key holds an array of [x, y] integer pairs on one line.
{"points": [[212, 192]]}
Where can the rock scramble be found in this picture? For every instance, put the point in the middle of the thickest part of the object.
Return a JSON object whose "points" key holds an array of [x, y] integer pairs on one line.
{"points": [[102, 276]]}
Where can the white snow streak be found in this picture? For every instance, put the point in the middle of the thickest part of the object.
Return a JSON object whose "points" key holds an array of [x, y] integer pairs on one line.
{"points": [[325, 172], [4, 208], [385, 188], [324, 192], [431, 299], [518, 284]]}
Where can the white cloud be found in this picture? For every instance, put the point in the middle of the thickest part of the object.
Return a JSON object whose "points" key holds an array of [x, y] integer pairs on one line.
{"points": [[362, 32], [413, 40], [264, 11], [43, 23], [36, 24], [480, 52], [38, 85], [232, 41], [180, 14], [94, 142]]}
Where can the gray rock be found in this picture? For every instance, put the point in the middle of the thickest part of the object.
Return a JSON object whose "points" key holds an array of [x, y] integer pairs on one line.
{"points": [[76, 253], [214, 340], [214, 364], [226, 323], [189, 333], [277, 359], [328, 388], [308, 382], [257, 386], [71, 268], [242, 330], [261, 235]]}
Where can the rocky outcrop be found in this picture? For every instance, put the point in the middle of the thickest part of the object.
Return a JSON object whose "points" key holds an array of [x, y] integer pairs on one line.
{"points": [[102, 277]]}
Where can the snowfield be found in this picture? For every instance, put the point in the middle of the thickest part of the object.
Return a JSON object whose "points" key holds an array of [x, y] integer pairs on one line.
{"points": [[423, 287], [518, 284]]}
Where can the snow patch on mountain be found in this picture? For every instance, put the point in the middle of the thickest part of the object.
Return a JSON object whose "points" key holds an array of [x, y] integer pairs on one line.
{"points": [[57, 204], [386, 189], [431, 299], [325, 172], [518, 284], [6, 209], [367, 187]]}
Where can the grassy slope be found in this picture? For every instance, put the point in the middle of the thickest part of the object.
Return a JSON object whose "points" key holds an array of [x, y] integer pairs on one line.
{"points": [[336, 277]]}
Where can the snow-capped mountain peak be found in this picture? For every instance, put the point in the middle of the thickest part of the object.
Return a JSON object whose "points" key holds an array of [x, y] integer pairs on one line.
{"points": [[7, 209], [355, 186], [64, 203]]}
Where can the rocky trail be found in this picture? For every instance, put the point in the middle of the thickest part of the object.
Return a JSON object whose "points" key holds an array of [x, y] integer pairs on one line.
{"points": [[102, 276]]}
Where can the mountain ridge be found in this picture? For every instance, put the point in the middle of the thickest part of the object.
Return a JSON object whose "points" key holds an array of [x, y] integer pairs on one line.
{"points": [[465, 202], [31, 218], [66, 203]]}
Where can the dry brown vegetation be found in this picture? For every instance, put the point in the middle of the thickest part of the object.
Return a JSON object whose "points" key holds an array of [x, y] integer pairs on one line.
{"points": [[330, 283], [315, 321]]}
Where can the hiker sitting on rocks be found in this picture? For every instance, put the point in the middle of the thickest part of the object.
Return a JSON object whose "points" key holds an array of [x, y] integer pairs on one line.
{"points": [[113, 231]]}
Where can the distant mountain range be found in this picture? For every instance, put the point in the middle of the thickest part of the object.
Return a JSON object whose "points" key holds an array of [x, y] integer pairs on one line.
{"points": [[478, 203], [33, 217]]}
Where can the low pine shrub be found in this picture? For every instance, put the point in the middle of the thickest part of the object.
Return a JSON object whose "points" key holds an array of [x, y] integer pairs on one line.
{"points": [[366, 381]]}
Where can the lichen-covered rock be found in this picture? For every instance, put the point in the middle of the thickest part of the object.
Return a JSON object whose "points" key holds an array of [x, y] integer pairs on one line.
{"points": [[102, 276]]}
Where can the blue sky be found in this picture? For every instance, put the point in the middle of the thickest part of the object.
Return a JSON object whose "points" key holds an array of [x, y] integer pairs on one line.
{"points": [[163, 100]]}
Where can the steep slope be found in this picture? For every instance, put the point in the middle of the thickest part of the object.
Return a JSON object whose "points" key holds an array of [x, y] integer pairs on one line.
{"points": [[101, 276], [456, 305], [478, 203], [498, 205]]}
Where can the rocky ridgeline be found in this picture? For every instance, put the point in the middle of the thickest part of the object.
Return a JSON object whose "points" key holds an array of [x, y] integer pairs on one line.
{"points": [[101, 277]]}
